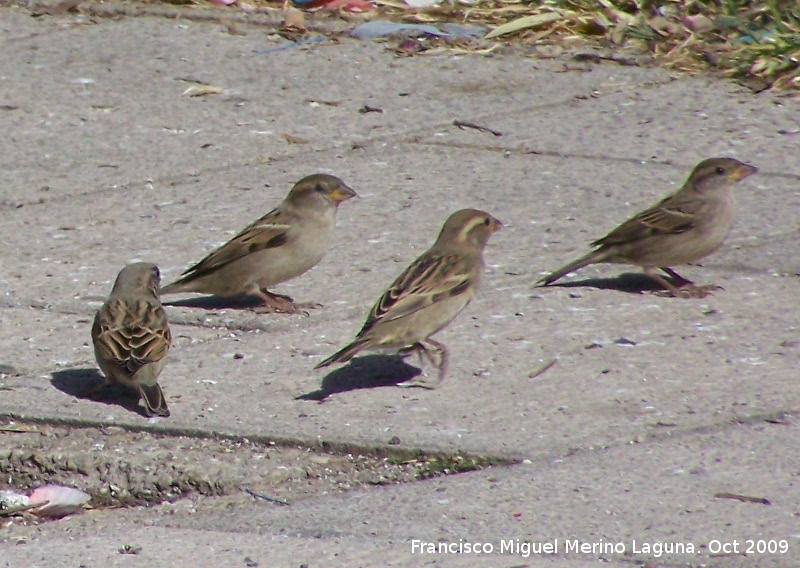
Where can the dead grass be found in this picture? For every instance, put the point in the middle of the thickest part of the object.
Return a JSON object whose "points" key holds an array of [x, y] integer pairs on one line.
{"points": [[758, 41], [754, 41]]}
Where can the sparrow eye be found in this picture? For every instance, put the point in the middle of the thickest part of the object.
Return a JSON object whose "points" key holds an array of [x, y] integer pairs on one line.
{"points": [[486, 222], [720, 170]]}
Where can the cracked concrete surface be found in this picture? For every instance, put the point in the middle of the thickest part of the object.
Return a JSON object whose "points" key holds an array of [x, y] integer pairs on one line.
{"points": [[654, 406]]}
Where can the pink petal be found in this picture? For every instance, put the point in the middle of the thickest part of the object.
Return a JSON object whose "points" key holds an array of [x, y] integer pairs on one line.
{"points": [[57, 500]]}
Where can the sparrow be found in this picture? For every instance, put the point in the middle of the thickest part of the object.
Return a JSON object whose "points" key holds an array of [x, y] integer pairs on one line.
{"points": [[131, 335], [283, 244], [681, 228], [428, 294]]}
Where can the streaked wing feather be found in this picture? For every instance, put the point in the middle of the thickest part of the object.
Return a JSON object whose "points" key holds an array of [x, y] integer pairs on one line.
{"points": [[132, 333], [426, 281], [267, 232], [671, 216]]}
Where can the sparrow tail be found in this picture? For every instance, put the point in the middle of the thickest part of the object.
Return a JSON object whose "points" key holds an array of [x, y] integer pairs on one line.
{"points": [[154, 400], [343, 355], [172, 288], [586, 260]]}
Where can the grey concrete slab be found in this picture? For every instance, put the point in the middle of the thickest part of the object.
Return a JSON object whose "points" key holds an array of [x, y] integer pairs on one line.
{"points": [[510, 330], [657, 493], [125, 100], [653, 406], [662, 119], [614, 496]]}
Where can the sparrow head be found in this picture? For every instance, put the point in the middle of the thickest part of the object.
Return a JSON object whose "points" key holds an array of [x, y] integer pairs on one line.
{"points": [[319, 189], [137, 278], [718, 173], [469, 226]]}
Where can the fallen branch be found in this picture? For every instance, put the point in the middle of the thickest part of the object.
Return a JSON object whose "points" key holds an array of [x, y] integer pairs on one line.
{"points": [[265, 497], [743, 498], [536, 372]]}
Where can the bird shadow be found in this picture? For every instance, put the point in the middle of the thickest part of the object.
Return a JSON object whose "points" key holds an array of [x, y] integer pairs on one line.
{"points": [[239, 302], [367, 372], [628, 282], [79, 382]]}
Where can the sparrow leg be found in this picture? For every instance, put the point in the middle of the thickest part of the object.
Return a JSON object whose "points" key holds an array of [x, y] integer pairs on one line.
{"points": [[668, 288], [278, 303], [419, 349], [686, 289], [408, 350], [275, 296], [430, 355], [444, 359], [675, 276]]}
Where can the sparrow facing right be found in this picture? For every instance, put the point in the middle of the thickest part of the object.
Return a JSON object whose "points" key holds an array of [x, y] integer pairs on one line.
{"points": [[283, 244], [131, 335], [428, 295], [682, 228]]}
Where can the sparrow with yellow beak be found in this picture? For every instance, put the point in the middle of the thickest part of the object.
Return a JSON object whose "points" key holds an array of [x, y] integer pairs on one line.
{"points": [[283, 244], [682, 228]]}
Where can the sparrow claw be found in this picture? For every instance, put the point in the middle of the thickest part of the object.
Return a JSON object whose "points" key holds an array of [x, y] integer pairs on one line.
{"points": [[290, 309], [701, 291], [420, 382], [663, 293], [278, 303], [689, 291]]}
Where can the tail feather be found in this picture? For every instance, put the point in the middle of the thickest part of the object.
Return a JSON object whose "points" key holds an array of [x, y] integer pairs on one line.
{"points": [[154, 400], [174, 287], [590, 258], [344, 354]]}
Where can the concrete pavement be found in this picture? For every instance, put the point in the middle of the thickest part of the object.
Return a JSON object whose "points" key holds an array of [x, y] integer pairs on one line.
{"points": [[654, 406]]}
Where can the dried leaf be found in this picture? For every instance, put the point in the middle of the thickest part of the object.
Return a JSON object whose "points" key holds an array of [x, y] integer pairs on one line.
{"points": [[201, 90], [698, 23], [294, 18], [524, 23], [617, 35], [592, 26], [294, 139], [317, 102], [350, 5], [422, 3], [663, 26], [617, 16], [233, 29]]}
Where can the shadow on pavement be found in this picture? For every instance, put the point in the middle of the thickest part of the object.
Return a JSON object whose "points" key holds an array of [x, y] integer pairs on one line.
{"points": [[369, 371], [80, 383], [629, 282], [241, 302]]}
